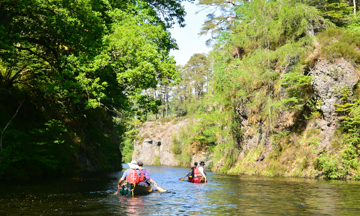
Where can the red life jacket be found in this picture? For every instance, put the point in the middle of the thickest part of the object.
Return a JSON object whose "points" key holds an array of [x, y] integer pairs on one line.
{"points": [[196, 172], [142, 176], [133, 177]]}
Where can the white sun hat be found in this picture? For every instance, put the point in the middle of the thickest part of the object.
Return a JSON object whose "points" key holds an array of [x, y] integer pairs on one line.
{"points": [[133, 165]]}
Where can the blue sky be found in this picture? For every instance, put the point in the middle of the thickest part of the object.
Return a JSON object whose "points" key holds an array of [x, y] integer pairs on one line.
{"points": [[187, 38]]}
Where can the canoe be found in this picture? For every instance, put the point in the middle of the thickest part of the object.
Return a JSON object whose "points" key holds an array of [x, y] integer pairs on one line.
{"points": [[139, 190], [196, 180], [142, 190]]}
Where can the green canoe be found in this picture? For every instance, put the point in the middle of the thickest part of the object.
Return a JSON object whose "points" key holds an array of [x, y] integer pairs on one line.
{"points": [[139, 190]]}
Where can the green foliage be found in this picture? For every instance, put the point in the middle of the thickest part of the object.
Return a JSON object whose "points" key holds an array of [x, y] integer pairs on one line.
{"points": [[127, 146], [157, 160], [125, 120], [279, 140], [340, 43], [331, 167], [339, 168], [196, 77], [351, 124], [338, 11], [354, 24], [182, 146], [279, 44], [77, 65], [335, 167], [45, 148], [276, 52], [177, 147]]}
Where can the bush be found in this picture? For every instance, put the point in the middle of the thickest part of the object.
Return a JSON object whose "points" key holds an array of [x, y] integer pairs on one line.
{"points": [[341, 49], [157, 160], [338, 43]]}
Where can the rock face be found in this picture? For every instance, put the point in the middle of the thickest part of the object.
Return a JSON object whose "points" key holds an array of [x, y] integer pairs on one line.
{"points": [[155, 141], [328, 82], [204, 156]]}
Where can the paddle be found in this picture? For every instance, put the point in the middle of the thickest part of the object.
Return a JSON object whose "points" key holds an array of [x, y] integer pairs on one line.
{"points": [[160, 189], [116, 191], [182, 179], [119, 188]]}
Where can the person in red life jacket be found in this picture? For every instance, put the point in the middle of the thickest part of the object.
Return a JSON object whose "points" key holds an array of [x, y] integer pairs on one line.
{"points": [[147, 179], [191, 173], [201, 170], [132, 175]]}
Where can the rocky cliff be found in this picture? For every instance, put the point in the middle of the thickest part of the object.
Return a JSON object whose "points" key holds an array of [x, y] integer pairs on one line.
{"points": [[296, 143], [154, 142]]}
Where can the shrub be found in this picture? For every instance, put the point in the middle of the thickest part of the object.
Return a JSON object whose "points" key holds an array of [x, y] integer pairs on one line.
{"points": [[338, 43], [157, 160]]}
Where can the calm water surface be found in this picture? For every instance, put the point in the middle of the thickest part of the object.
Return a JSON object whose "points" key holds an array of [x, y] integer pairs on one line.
{"points": [[222, 195]]}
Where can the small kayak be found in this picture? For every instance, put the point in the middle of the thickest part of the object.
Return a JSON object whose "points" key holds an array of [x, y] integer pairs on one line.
{"points": [[196, 180], [138, 190]]}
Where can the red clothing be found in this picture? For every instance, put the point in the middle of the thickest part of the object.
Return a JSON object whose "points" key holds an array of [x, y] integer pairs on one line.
{"points": [[196, 172]]}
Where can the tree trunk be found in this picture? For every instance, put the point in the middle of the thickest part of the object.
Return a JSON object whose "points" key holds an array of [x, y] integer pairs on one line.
{"points": [[167, 100], [156, 115], [354, 8]]}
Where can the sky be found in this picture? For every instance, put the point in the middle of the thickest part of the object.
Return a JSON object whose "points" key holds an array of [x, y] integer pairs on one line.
{"points": [[187, 38]]}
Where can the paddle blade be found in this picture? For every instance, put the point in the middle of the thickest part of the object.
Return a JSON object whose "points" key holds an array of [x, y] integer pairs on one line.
{"points": [[116, 192], [182, 179], [160, 189]]}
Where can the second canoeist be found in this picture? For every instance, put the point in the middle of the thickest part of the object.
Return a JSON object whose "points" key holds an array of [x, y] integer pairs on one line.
{"points": [[197, 174], [147, 179]]}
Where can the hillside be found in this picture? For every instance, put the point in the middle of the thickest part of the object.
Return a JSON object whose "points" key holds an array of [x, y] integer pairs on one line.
{"points": [[278, 95]]}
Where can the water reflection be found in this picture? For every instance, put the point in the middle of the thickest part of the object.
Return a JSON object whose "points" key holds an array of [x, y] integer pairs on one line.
{"points": [[222, 195]]}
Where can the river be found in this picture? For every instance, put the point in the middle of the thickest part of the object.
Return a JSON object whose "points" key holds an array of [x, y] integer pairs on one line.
{"points": [[91, 194]]}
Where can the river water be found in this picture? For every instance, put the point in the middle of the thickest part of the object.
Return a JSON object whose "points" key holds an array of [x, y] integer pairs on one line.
{"points": [[222, 195]]}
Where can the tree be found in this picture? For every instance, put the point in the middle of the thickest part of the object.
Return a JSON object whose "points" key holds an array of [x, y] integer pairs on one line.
{"points": [[78, 62], [221, 16], [197, 69], [338, 11]]}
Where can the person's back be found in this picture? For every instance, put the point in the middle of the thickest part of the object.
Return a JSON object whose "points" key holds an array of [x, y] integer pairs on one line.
{"points": [[201, 170], [196, 172], [129, 174], [192, 170], [144, 172], [135, 176]]}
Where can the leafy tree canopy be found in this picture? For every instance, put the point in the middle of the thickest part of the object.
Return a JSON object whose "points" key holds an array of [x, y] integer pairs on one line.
{"points": [[73, 62]]}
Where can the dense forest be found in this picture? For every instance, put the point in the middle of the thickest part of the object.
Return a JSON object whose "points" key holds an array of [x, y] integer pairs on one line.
{"points": [[278, 95], [72, 74]]}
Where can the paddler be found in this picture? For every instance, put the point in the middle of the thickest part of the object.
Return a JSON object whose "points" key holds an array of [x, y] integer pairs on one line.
{"points": [[191, 173], [132, 175], [201, 170], [146, 174]]}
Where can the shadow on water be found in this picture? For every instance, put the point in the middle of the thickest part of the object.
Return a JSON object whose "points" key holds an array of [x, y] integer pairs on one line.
{"points": [[223, 195]]}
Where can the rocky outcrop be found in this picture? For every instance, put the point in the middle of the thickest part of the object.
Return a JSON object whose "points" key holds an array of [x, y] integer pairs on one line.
{"points": [[154, 142], [329, 80], [313, 136]]}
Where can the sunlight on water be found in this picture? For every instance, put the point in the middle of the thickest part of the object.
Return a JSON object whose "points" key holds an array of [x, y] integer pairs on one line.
{"points": [[222, 195]]}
